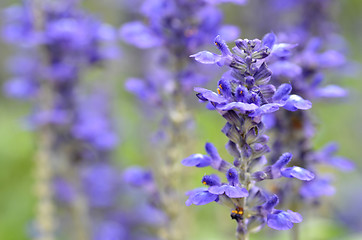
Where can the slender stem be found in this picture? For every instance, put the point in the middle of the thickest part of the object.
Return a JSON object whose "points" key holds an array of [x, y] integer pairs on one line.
{"points": [[43, 188], [79, 207], [43, 163], [295, 232], [170, 174], [243, 234], [49, 149]]}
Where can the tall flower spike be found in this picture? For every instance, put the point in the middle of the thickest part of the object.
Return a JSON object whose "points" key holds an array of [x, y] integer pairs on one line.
{"points": [[304, 66], [177, 28], [244, 95], [78, 186]]}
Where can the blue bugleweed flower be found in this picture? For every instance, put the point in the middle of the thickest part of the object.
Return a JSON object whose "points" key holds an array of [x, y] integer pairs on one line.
{"points": [[178, 28], [243, 96], [278, 219], [304, 69], [174, 29], [177, 23], [73, 40], [251, 94]]}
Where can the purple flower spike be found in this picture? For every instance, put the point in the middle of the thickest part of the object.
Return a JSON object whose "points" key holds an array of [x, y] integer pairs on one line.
{"points": [[197, 160], [281, 220], [206, 57], [299, 173], [200, 196], [230, 191]]}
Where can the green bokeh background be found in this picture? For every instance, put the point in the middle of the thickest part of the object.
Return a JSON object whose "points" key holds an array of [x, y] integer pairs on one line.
{"points": [[336, 121]]}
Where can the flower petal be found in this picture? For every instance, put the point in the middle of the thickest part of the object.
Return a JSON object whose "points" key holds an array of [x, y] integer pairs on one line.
{"points": [[206, 57], [211, 180], [230, 191], [210, 95], [243, 107], [282, 49], [282, 91], [279, 221], [272, 201], [299, 173], [269, 40], [265, 109], [217, 189], [235, 192], [201, 198], [197, 160], [196, 190], [296, 102], [294, 217]]}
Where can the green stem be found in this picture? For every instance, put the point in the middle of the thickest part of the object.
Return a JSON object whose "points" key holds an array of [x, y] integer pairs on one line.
{"points": [[43, 188], [295, 232], [170, 176]]}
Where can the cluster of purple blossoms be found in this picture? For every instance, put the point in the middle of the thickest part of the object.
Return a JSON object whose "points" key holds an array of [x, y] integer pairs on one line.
{"points": [[305, 67], [57, 43], [71, 39], [176, 28], [139, 216], [244, 95]]}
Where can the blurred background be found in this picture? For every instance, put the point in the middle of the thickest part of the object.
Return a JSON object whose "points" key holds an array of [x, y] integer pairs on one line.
{"points": [[338, 121]]}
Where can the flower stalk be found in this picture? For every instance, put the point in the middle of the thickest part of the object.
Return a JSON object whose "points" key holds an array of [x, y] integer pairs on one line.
{"points": [[244, 95]]}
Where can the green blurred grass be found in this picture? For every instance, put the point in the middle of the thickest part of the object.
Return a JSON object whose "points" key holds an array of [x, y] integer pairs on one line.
{"points": [[16, 179]]}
